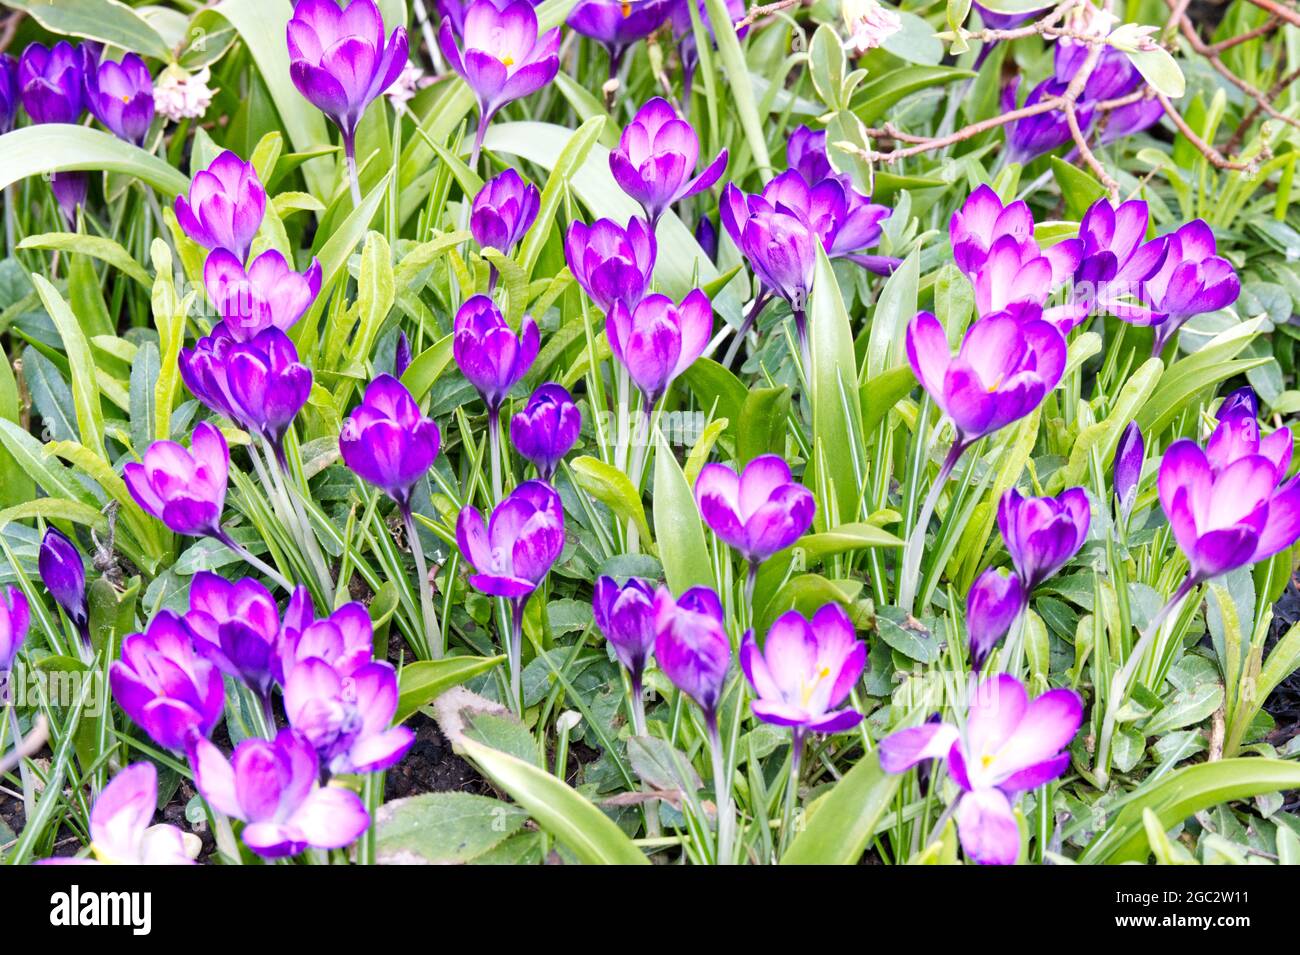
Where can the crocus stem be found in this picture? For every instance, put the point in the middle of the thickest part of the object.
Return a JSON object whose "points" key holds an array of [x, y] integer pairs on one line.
{"points": [[350, 150], [721, 792], [755, 310], [268, 712], [516, 653], [426, 28], [484, 120], [637, 706], [805, 354], [1120, 682], [909, 570], [290, 491], [494, 449], [751, 578], [1015, 654], [432, 632], [10, 228], [29, 788], [251, 559], [792, 788], [641, 439]]}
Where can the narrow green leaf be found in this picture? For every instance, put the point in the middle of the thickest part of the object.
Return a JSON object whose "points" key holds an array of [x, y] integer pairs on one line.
{"points": [[425, 679], [842, 822]]}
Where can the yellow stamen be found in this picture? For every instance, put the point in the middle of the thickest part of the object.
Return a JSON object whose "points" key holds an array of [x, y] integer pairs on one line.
{"points": [[997, 384], [810, 688], [986, 761], [507, 60], [627, 9]]}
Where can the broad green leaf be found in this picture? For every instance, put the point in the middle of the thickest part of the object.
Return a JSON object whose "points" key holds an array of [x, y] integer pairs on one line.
{"points": [[423, 680], [427, 367], [92, 245], [107, 21], [85, 392], [678, 530], [15, 482], [567, 164], [61, 147], [1188, 377], [612, 488], [55, 508], [442, 828], [832, 378], [841, 823]]}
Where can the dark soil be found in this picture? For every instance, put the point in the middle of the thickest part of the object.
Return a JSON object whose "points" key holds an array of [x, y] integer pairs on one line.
{"points": [[431, 766]]}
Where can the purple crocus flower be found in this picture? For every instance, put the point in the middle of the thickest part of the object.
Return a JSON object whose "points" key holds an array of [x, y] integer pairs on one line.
{"points": [[344, 639], [617, 24], [1043, 533], [658, 340], [165, 685], [64, 574], [805, 151], [782, 251], [269, 294], [340, 62], [547, 428], [120, 95], [806, 670], [1008, 745], [15, 618], [1007, 21], [625, 615], [995, 600], [401, 355], [271, 785], [1115, 260], [1113, 76], [236, 625], [225, 206], [1128, 467], [1029, 138], [50, 82], [758, 512], [489, 353], [503, 58], [121, 830], [1131, 119], [612, 264], [185, 489], [706, 234], [9, 92], [516, 548], [1018, 276], [981, 221], [1192, 280], [503, 212], [349, 719], [656, 157], [1230, 504], [692, 647], [454, 10], [388, 442], [1002, 372]]}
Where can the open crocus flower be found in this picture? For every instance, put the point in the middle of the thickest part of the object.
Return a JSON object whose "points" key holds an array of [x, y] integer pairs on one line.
{"points": [[269, 295], [271, 786], [489, 352], [1116, 260], [339, 61], [547, 428], [236, 625], [980, 222], [1043, 533], [759, 512], [167, 688], [64, 574], [995, 600], [658, 340], [612, 264], [120, 824], [1230, 505], [185, 489], [1237, 436], [617, 24], [349, 719], [1007, 746], [120, 94], [1005, 367], [518, 545], [805, 670], [345, 639], [15, 618], [1016, 275], [692, 646], [503, 211], [225, 206], [503, 58], [388, 442], [656, 157], [1192, 280]]}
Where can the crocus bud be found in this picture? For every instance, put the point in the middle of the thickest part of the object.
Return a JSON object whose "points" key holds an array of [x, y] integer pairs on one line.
{"points": [[1193, 280], [344, 639], [503, 212], [268, 384], [120, 823], [9, 95], [1128, 468], [546, 430], [780, 248], [348, 719], [272, 786], [659, 340], [185, 489], [339, 61], [236, 625], [225, 206], [706, 234], [167, 688], [805, 670], [50, 82], [994, 602], [64, 576], [759, 512], [1005, 367], [269, 295], [518, 545], [489, 353], [1043, 533], [401, 355], [625, 615], [388, 442], [120, 95], [692, 647], [69, 190], [612, 264], [15, 618], [656, 157]]}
